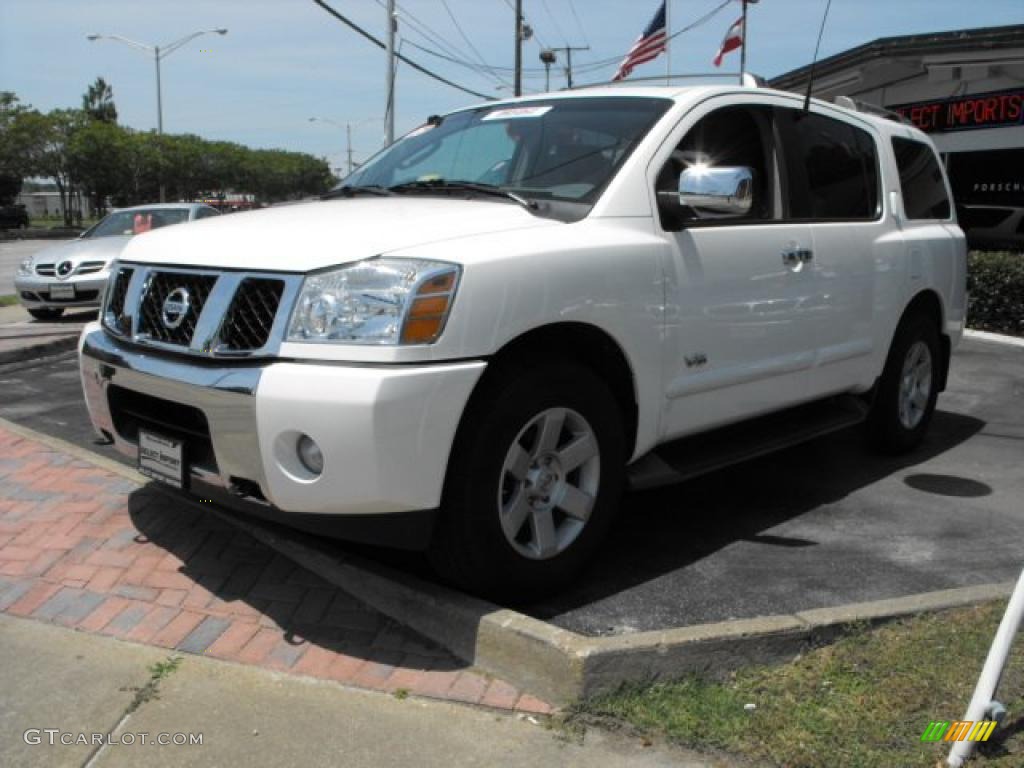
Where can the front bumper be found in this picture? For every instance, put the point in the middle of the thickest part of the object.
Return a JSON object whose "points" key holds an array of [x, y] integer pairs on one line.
{"points": [[34, 291], [385, 431]]}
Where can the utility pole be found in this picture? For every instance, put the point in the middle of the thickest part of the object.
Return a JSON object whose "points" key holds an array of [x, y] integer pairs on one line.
{"points": [[159, 117], [518, 83], [568, 60], [348, 145], [389, 116]]}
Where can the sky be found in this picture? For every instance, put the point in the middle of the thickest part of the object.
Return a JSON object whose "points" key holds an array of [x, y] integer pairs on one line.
{"points": [[284, 61]]}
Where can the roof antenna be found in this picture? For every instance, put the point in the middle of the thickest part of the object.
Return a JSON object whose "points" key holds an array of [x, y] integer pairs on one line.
{"points": [[810, 77]]}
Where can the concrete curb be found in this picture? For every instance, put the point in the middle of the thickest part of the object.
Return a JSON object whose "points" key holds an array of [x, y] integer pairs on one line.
{"points": [[33, 351], [558, 665], [995, 338]]}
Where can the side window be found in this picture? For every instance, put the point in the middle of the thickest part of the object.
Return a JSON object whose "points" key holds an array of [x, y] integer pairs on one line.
{"points": [[924, 193], [731, 137], [831, 168], [205, 213]]}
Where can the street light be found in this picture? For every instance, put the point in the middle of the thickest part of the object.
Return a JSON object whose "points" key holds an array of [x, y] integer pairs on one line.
{"points": [[159, 53]]}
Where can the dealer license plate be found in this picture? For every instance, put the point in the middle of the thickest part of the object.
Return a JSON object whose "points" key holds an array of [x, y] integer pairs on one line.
{"points": [[66, 291], [160, 457]]}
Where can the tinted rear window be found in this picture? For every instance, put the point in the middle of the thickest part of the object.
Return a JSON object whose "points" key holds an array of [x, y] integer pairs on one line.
{"points": [[924, 193], [832, 168]]}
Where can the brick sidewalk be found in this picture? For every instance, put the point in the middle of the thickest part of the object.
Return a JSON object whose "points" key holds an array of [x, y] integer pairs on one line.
{"points": [[84, 548]]}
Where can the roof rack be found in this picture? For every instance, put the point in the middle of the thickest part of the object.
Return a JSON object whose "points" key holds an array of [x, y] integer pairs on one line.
{"points": [[750, 80], [871, 109]]}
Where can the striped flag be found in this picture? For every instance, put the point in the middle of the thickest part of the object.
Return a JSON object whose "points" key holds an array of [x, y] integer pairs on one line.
{"points": [[648, 46], [733, 40]]}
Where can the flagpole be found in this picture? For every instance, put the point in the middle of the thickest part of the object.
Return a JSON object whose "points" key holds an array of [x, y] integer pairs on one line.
{"points": [[743, 44], [668, 42]]}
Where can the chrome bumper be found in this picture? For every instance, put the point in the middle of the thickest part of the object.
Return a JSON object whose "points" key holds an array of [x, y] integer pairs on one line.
{"points": [[224, 395]]}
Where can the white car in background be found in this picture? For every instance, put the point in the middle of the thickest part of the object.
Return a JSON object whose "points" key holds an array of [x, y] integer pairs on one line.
{"points": [[72, 275]]}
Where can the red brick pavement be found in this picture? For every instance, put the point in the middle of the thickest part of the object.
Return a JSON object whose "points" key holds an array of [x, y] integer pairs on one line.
{"points": [[85, 548]]}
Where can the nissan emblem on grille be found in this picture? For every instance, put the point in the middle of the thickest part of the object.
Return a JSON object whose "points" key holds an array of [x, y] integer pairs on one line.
{"points": [[175, 308], [64, 268]]}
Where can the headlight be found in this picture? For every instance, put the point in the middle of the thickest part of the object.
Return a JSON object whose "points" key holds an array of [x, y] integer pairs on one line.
{"points": [[378, 301], [25, 268]]}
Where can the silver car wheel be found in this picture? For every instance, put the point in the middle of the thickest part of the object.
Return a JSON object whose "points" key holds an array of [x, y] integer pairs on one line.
{"points": [[915, 385], [549, 483]]}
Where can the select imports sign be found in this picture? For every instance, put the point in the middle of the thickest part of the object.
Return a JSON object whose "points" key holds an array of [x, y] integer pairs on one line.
{"points": [[962, 113]]}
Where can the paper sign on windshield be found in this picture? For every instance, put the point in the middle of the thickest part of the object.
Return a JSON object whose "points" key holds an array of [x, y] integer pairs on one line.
{"points": [[515, 113]]}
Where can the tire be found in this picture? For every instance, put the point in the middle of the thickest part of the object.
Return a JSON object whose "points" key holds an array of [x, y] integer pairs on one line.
{"points": [[907, 391], [49, 313], [514, 522]]}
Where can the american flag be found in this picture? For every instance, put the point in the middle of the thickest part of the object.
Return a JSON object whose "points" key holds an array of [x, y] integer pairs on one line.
{"points": [[647, 47]]}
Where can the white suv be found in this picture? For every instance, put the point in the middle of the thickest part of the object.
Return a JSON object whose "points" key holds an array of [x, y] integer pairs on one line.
{"points": [[493, 325]]}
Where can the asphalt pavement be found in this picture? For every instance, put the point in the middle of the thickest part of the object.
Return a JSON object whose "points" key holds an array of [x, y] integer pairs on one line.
{"points": [[822, 524], [11, 254]]}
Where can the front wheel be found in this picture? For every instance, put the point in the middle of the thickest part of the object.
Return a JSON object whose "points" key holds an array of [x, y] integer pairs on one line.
{"points": [[535, 477], [908, 389]]}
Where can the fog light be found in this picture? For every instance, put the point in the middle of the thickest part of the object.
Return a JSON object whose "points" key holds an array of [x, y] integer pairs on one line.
{"points": [[310, 455]]}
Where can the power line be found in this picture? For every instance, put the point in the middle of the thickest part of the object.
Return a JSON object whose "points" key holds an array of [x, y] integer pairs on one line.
{"points": [[418, 67], [554, 22], [572, 7], [469, 42], [431, 36]]}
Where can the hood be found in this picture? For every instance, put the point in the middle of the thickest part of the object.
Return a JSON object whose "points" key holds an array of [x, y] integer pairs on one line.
{"points": [[308, 236], [87, 249]]}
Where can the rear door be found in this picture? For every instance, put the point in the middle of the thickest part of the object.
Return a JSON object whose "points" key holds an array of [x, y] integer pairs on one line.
{"points": [[832, 182]]}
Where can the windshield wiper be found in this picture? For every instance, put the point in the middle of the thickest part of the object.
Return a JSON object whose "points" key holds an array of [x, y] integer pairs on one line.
{"points": [[352, 191], [469, 186]]}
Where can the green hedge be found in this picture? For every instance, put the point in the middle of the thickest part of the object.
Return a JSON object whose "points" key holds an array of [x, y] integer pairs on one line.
{"points": [[995, 283]]}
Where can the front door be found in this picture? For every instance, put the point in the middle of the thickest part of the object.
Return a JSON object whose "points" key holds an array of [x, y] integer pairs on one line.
{"points": [[740, 336]]}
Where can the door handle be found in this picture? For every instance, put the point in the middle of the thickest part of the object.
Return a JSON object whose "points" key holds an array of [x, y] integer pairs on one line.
{"points": [[792, 257]]}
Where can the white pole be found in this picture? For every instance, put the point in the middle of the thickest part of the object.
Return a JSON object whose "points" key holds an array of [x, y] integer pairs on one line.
{"points": [[389, 116], [985, 691], [668, 42]]}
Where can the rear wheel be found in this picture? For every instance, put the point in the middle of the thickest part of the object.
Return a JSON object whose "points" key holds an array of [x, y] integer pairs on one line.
{"points": [[534, 480], [46, 313], [908, 388]]}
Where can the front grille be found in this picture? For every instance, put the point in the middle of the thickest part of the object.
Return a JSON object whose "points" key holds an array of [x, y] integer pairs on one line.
{"points": [[161, 285], [90, 267], [46, 270], [115, 304], [251, 314], [238, 311]]}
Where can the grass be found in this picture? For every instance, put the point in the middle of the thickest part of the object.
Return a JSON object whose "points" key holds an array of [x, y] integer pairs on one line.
{"points": [[8, 301], [862, 702]]}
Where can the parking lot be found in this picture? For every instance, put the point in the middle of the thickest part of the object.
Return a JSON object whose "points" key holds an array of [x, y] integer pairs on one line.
{"points": [[823, 524]]}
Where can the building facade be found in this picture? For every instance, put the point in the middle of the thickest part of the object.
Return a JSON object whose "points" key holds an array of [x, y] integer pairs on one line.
{"points": [[964, 88]]}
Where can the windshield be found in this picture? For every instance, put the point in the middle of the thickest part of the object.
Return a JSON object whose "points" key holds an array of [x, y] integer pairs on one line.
{"points": [[137, 221], [564, 149]]}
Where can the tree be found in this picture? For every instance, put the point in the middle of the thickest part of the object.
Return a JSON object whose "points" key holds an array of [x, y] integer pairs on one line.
{"points": [[98, 159], [98, 102], [56, 130], [18, 145]]}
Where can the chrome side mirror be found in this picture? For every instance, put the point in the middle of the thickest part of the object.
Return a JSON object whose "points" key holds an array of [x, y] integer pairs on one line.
{"points": [[714, 193]]}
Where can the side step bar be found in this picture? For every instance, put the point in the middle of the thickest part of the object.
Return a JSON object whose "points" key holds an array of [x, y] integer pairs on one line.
{"points": [[699, 454]]}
